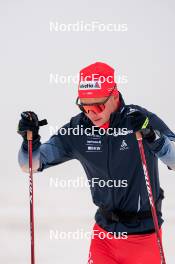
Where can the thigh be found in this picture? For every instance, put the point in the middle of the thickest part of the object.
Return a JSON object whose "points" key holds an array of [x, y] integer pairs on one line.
{"points": [[100, 250], [140, 249], [99, 254]]}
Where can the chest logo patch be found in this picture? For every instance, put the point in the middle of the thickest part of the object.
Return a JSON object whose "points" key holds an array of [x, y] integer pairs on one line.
{"points": [[94, 144], [124, 145]]}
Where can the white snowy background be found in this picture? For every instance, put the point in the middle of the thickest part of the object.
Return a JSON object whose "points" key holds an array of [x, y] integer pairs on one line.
{"points": [[29, 53]]}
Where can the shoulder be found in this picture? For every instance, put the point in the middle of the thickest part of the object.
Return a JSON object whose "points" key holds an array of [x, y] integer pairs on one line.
{"points": [[131, 108], [77, 120], [155, 121]]}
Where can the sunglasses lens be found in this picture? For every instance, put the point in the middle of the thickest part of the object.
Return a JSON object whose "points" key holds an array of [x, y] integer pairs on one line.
{"points": [[95, 108], [101, 107]]}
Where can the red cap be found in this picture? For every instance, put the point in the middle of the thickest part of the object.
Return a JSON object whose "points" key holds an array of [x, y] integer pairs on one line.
{"points": [[96, 80]]}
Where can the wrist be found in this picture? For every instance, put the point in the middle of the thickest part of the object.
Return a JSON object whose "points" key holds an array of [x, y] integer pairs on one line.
{"points": [[158, 142], [35, 143], [149, 134]]}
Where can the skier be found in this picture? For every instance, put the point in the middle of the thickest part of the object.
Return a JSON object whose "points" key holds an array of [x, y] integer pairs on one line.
{"points": [[124, 230]]}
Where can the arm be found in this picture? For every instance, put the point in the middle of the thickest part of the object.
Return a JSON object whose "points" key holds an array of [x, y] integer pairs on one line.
{"points": [[53, 152], [23, 160], [163, 146], [159, 139], [167, 153]]}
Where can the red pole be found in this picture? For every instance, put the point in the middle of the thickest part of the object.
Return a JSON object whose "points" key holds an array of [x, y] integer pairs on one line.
{"points": [[29, 138], [150, 195]]}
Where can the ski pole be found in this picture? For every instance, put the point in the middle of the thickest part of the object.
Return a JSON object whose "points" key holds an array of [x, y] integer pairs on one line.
{"points": [[150, 195], [29, 139]]}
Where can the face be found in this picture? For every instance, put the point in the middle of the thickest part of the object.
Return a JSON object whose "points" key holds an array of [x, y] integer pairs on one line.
{"points": [[98, 119]]}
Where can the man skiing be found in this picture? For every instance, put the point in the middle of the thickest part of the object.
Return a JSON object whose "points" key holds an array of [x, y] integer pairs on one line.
{"points": [[109, 153]]}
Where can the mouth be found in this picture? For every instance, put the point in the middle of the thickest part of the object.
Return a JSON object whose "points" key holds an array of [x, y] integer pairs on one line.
{"points": [[97, 119]]}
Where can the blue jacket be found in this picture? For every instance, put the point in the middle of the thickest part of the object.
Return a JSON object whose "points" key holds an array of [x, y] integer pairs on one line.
{"points": [[113, 158]]}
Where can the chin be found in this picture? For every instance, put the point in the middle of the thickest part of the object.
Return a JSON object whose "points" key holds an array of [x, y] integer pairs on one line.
{"points": [[98, 123]]}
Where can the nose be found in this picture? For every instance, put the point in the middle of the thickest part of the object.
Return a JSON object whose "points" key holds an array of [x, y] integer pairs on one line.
{"points": [[92, 113]]}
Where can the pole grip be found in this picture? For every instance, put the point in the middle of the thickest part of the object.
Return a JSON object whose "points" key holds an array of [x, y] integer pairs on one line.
{"points": [[29, 135], [138, 135]]}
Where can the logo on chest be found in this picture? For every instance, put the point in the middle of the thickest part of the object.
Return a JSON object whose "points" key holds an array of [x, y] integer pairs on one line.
{"points": [[124, 145], [94, 144]]}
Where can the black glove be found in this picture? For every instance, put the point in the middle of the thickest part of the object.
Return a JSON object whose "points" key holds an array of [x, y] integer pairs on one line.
{"points": [[140, 122], [29, 122]]}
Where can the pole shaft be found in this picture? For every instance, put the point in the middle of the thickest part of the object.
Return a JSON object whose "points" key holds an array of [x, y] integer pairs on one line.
{"points": [[150, 195], [29, 138]]}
